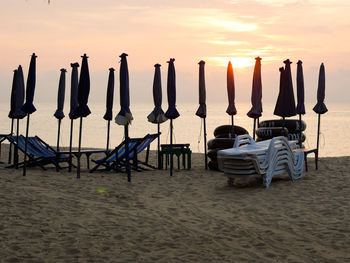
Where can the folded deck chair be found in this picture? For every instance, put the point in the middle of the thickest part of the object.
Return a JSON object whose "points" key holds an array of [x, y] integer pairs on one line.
{"points": [[114, 159], [143, 144], [266, 159], [39, 154]]}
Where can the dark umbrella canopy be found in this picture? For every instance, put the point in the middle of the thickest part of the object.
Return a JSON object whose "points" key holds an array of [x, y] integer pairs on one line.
{"points": [[256, 110], [202, 110], [231, 110], [83, 90], [28, 106], [172, 112], [74, 90], [19, 113], [124, 117], [320, 107], [61, 94], [13, 95], [157, 115], [285, 106], [300, 89], [110, 94]]}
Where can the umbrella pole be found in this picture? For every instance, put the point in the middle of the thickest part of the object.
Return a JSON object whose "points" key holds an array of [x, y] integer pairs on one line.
{"points": [[16, 147], [25, 148], [58, 135], [254, 128], [300, 133], [70, 146], [108, 128], [283, 125], [205, 145], [233, 127], [318, 131], [171, 147], [127, 165], [158, 146], [79, 147], [10, 151]]}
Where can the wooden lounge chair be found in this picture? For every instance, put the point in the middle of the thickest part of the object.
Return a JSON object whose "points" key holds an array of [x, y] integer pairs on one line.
{"points": [[266, 159]]}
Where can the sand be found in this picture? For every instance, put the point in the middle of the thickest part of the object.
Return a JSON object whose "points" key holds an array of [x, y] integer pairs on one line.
{"points": [[194, 216]]}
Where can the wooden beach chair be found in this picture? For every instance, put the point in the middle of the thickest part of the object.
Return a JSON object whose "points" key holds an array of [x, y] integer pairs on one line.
{"points": [[266, 159]]}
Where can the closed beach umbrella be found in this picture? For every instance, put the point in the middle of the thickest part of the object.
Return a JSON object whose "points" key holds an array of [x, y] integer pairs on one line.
{"points": [[109, 102], [73, 106], [231, 109], [320, 107], [13, 106], [202, 110], [256, 110], [124, 117], [300, 95], [157, 115], [285, 106], [28, 106], [172, 112], [83, 96], [59, 115], [61, 94]]}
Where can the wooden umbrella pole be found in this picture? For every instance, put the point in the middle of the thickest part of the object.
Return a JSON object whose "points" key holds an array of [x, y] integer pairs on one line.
{"points": [[70, 146], [79, 147], [205, 145], [58, 135], [10, 151], [158, 146], [108, 129], [300, 133], [25, 147], [318, 131], [254, 128], [127, 165], [16, 147], [171, 147]]}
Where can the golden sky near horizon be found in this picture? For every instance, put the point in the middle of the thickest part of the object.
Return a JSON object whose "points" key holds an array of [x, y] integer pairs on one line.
{"points": [[151, 31]]}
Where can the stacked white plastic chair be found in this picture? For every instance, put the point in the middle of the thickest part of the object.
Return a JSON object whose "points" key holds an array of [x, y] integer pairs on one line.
{"points": [[266, 159]]}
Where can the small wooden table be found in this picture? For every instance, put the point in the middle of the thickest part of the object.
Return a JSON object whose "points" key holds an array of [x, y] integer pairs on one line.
{"points": [[178, 150]]}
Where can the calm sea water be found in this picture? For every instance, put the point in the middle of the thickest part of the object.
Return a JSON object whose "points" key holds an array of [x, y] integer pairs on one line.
{"points": [[334, 139]]}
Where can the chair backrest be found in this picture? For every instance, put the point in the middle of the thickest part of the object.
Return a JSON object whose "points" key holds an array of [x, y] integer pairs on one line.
{"points": [[144, 142], [31, 149], [42, 146], [119, 151]]}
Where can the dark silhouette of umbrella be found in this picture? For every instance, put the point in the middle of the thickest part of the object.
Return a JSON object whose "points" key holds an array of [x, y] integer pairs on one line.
{"points": [[19, 100], [73, 106], [300, 95], [83, 96], [231, 109], [13, 107], [28, 106], [157, 115], [256, 110], [172, 112], [202, 110], [285, 106], [124, 117], [59, 115], [109, 102], [320, 107]]}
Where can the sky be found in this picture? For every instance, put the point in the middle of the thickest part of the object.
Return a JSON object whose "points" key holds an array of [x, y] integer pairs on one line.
{"points": [[152, 31]]}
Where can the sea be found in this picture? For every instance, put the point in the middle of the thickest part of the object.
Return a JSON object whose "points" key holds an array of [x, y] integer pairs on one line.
{"points": [[188, 128]]}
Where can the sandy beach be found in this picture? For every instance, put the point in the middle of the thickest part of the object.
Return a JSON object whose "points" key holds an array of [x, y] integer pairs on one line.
{"points": [[194, 216]]}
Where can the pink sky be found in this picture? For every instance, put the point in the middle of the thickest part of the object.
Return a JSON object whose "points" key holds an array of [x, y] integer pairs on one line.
{"points": [[152, 31]]}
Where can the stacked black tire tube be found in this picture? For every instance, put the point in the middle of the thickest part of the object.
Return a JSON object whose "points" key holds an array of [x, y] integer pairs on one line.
{"points": [[289, 128], [223, 140]]}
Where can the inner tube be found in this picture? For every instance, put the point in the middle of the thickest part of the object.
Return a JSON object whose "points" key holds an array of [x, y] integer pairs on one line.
{"points": [[291, 137], [223, 143], [224, 131], [213, 154], [293, 125], [269, 133]]}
